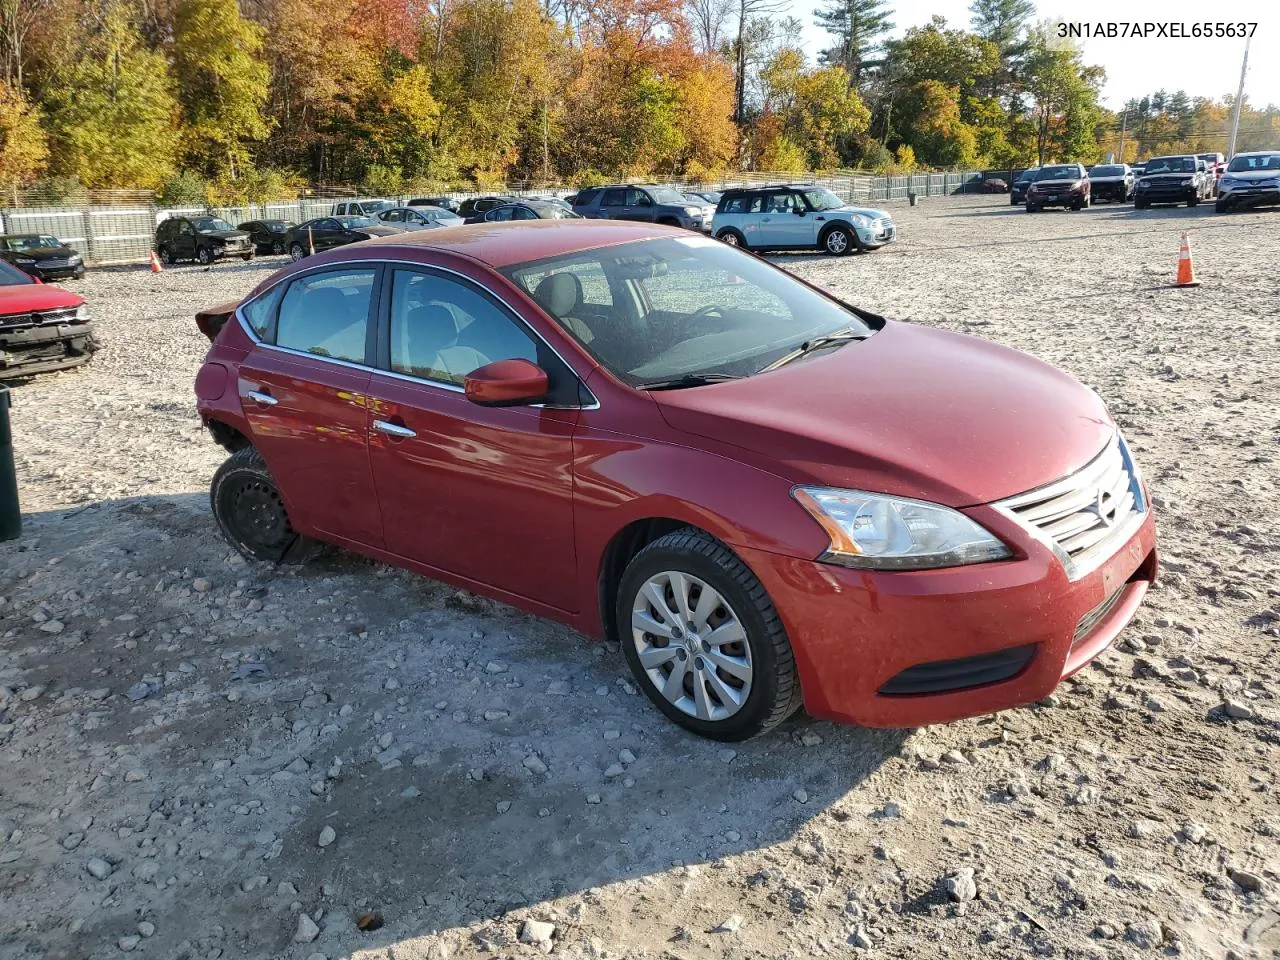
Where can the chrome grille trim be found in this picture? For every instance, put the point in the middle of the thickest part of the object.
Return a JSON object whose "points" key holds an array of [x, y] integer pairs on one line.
{"points": [[1086, 516]]}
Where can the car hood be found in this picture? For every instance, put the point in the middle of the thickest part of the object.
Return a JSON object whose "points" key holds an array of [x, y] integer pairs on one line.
{"points": [[912, 411], [44, 253], [25, 297], [1061, 182], [227, 234], [1253, 175], [859, 211]]}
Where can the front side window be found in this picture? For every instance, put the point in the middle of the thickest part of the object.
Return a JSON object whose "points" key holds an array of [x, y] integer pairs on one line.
{"points": [[327, 314], [820, 198], [681, 307], [442, 329]]}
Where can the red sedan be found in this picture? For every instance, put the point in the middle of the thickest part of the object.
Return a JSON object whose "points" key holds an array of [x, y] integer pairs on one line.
{"points": [[765, 495]]}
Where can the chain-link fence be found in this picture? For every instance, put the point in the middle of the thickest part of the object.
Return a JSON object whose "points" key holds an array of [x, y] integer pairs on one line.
{"points": [[120, 227]]}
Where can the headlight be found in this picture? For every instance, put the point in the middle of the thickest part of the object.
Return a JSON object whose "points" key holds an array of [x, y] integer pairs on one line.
{"points": [[25, 261], [858, 220], [893, 533], [693, 211], [1227, 182], [74, 259], [1187, 181], [1142, 184], [82, 312]]}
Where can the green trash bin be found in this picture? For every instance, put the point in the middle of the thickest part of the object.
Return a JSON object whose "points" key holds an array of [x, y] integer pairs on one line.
{"points": [[10, 515]]}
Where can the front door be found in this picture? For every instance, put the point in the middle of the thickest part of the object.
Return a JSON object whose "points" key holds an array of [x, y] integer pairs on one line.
{"points": [[639, 205], [484, 493], [786, 221], [185, 248], [304, 391]]}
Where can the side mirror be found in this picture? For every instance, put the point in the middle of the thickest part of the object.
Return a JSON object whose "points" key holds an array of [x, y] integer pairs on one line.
{"points": [[801, 212], [506, 383]]}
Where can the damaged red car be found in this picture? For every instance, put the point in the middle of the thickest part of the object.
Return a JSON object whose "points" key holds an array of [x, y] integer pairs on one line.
{"points": [[42, 327], [767, 497]]}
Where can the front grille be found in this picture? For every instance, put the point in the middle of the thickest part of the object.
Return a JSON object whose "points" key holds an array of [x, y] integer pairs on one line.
{"points": [[1095, 616], [942, 676], [38, 318], [1086, 516], [54, 263]]}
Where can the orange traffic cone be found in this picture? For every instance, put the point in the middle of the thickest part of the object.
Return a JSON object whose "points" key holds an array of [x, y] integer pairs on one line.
{"points": [[155, 263], [1186, 271]]}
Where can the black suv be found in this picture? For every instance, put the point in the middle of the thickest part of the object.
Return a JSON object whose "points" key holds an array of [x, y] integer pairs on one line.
{"points": [[473, 209], [267, 235], [203, 239], [650, 204]]}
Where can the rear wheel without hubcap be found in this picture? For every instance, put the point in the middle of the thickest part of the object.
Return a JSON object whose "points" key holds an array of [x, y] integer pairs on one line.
{"points": [[251, 513], [703, 639]]}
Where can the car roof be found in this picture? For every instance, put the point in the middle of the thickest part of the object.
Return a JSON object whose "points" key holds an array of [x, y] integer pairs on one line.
{"points": [[500, 245]]}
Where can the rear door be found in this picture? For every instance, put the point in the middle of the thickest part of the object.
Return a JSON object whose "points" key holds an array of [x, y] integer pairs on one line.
{"points": [[613, 204], [484, 493], [304, 391]]}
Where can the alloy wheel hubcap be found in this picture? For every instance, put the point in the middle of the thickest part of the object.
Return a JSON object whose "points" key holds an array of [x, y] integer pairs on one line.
{"points": [[730, 239], [692, 646], [836, 242]]}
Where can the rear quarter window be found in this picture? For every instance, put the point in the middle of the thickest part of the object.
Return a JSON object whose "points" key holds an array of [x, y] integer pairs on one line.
{"points": [[260, 314]]}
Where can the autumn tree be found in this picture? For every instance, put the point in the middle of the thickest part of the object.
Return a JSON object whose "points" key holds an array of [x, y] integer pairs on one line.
{"points": [[221, 82], [111, 119], [23, 150], [1064, 100]]}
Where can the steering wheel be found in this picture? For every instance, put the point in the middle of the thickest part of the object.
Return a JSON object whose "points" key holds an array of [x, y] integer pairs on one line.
{"points": [[711, 309]]}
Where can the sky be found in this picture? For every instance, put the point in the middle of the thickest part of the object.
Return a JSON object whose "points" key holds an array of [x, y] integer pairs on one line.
{"points": [[1135, 66]]}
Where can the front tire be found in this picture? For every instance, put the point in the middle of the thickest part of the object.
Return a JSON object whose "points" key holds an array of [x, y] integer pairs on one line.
{"points": [[1139, 204], [1222, 205], [251, 513], [247, 257], [704, 640], [204, 255], [839, 241], [277, 247]]}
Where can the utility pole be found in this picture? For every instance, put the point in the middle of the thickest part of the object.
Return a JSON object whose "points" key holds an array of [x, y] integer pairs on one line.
{"points": [[1124, 126], [1235, 114]]}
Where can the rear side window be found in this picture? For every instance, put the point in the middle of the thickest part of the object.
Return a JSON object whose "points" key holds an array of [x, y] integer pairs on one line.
{"points": [[747, 203], [584, 197], [261, 313], [614, 198], [327, 314]]}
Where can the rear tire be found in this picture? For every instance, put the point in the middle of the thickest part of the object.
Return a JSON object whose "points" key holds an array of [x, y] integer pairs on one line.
{"points": [[166, 256], [251, 513], [277, 247], [690, 572], [732, 237], [297, 252]]}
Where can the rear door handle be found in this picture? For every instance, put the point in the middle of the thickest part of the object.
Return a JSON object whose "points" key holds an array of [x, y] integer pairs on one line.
{"points": [[265, 399], [394, 429]]}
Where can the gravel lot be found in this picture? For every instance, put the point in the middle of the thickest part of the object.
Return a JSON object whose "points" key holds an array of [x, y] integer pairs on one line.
{"points": [[200, 758]]}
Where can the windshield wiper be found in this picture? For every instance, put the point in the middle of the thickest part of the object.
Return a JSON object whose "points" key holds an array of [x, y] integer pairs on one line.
{"points": [[817, 343], [688, 380]]}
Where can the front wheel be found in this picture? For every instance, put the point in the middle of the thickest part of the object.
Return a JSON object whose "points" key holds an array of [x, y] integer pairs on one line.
{"points": [[246, 257], [1193, 201], [1139, 204], [838, 241], [277, 247], [1222, 205], [704, 640], [251, 513], [204, 255], [296, 251]]}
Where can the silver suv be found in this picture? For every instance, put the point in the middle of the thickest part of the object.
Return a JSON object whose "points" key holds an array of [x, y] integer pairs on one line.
{"points": [[646, 203], [1250, 180]]}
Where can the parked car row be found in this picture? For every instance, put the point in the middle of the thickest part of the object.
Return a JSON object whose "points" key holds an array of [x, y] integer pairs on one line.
{"points": [[765, 496], [1184, 178]]}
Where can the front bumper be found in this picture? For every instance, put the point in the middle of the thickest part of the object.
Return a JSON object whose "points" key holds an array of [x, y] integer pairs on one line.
{"points": [[1043, 198], [1178, 194], [30, 350], [854, 632], [1113, 192], [877, 235], [1250, 196]]}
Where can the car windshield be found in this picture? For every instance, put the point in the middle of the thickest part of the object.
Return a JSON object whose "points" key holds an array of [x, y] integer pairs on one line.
{"points": [[1269, 162], [663, 309], [350, 222], [375, 206], [666, 195], [12, 276], [1069, 172], [33, 242], [1171, 165], [211, 225], [820, 198], [1106, 171], [1026, 176]]}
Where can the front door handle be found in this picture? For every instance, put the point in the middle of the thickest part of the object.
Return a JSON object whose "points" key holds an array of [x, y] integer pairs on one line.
{"points": [[394, 430], [266, 399]]}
